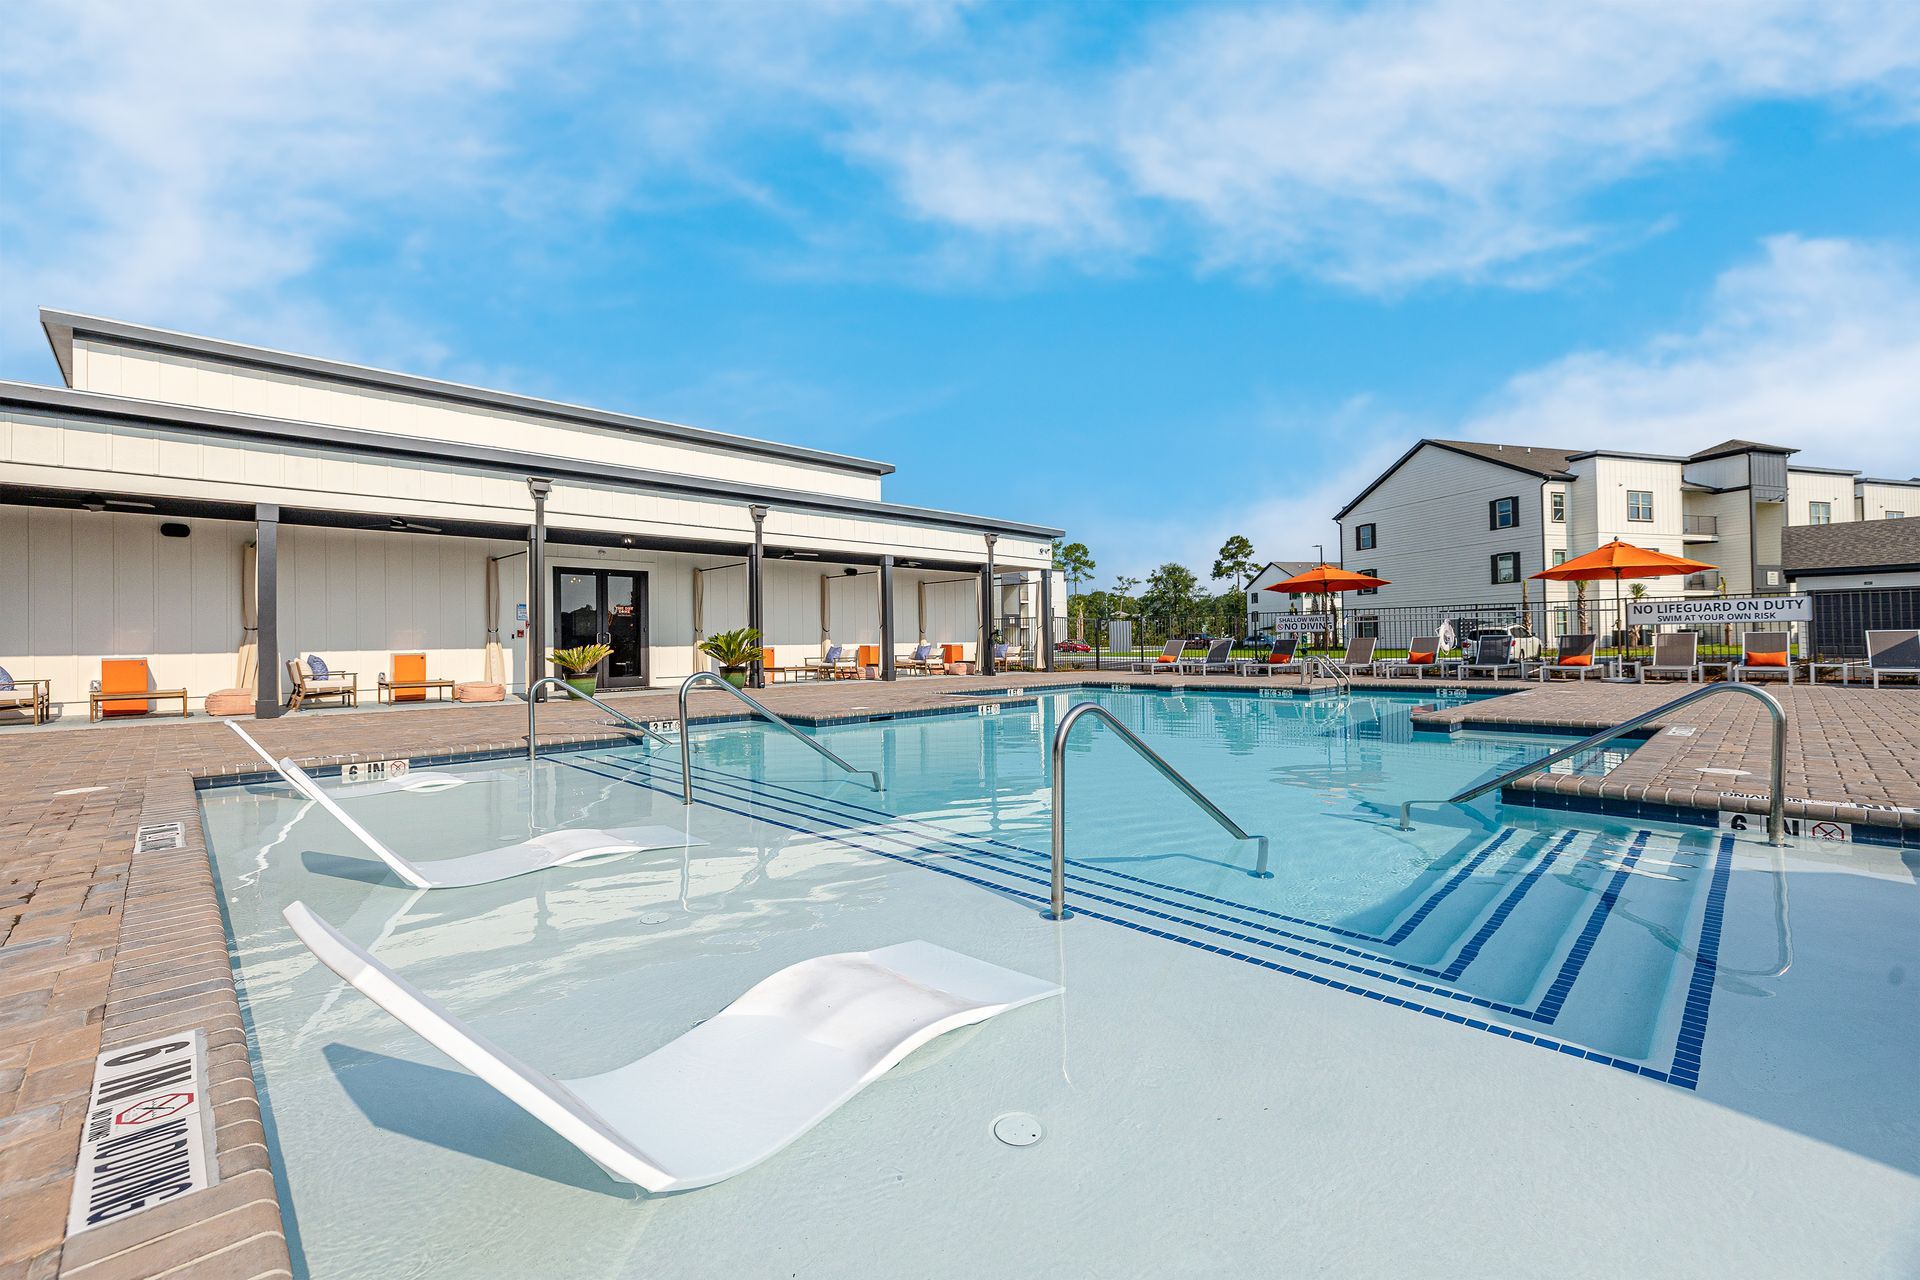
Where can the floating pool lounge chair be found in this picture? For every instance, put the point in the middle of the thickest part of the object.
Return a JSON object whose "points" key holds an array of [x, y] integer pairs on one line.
{"points": [[738, 1087], [553, 849]]}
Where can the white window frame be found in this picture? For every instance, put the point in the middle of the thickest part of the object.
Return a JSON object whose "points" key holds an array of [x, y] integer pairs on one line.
{"points": [[1632, 496], [1494, 568], [1557, 506], [1819, 513]]}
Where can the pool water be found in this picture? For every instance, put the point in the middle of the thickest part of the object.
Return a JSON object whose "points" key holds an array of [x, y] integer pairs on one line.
{"points": [[1404, 1051]]}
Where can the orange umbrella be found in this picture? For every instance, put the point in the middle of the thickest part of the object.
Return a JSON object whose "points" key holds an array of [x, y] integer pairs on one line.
{"points": [[1325, 579], [1619, 560]]}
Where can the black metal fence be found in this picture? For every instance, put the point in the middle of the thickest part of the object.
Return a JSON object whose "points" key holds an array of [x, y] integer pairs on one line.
{"points": [[1841, 619]]}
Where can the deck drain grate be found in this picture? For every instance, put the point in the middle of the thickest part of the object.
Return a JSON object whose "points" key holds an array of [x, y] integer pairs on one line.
{"points": [[1018, 1129]]}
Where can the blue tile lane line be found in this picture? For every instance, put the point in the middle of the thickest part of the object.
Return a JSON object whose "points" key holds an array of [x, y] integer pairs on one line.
{"points": [[1563, 982], [1683, 1079], [1706, 966]]}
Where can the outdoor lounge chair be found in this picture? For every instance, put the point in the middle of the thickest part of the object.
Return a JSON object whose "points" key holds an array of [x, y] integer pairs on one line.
{"points": [[738, 1087], [834, 662], [1169, 656], [1674, 653], [1280, 659], [1215, 659], [1573, 656], [1764, 653], [1423, 655], [553, 849], [1493, 655], [925, 659], [306, 683], [1893, 653], [35, 697], [1358, 659], [1010, 657]]}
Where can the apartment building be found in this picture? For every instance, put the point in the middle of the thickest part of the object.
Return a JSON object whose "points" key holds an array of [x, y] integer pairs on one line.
{"points": [[1456, 522]]}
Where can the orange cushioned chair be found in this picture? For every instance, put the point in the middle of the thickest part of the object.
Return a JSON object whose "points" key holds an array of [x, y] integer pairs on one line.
{"points": [[125, 675], [407, 669]]}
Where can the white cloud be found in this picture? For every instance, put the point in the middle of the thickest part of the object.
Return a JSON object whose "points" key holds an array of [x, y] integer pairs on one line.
{"points": [[1813, 344], [1816, 344]]}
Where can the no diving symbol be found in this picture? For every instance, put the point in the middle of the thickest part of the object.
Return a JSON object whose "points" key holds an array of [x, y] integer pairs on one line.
{"points": [[1827, 831], [152, 1109]]}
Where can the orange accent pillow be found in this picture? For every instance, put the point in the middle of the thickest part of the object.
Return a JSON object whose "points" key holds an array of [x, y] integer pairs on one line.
{"points": [[1164, 658], [1766, 659], [1280, 658], [1576, 660], [1419, 659]]}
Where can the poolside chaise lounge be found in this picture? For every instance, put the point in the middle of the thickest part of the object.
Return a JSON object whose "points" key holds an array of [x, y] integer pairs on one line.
{"points": [[1493, 654], [553, 849], [1674, 653], [1358, 659], [17, 693], [1893, 653], [1423, 655], [1215, 659], [313, 680], [738, 1087], [1280, 659], [1764, 653], [1573, 656], [1165, 662]]}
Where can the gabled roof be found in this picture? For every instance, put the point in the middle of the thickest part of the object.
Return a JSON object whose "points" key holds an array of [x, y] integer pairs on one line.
{"points": [[1850, 545], [1534, 460], [62, 326], [1726, 447]]}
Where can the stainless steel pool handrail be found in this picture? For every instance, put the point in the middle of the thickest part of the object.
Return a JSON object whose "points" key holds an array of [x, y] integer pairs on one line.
{"points": [[1059, 904], [686, 749], [556, 682], [1325, 666], [1776, 804]]}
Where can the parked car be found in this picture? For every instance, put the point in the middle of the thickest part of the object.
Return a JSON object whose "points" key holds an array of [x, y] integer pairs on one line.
{"points": [[1526, 645], [1073, 646]]}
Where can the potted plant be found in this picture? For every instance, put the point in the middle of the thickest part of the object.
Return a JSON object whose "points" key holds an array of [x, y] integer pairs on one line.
{"points": [[579, 663], [735, 651]]}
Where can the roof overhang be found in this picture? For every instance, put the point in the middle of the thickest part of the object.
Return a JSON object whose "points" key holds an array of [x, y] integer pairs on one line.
{"points": [[1418, 445], [92, 405]]}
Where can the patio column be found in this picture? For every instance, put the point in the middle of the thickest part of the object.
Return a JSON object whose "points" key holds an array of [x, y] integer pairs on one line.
{"points": [[988, 607], [536, 576], [757, 675], [266, 594], [1044, 642], [886, 619]]}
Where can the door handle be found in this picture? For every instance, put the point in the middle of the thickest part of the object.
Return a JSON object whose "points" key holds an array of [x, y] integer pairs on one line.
{"points": [[603, 637]]}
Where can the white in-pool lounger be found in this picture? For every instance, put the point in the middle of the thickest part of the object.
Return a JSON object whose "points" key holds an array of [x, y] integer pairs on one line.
{"points": [[740, 1086], [553, 849]]}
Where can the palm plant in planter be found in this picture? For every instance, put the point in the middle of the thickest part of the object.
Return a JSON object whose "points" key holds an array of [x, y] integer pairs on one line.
{"points": [[579, 662], [735, 651]]}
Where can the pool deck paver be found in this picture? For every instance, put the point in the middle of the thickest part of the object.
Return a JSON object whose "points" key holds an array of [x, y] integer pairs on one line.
{"points": [[100, 948]]}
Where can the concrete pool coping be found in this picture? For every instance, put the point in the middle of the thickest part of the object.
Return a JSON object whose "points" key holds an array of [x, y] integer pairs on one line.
{"points": [[99, 948]]}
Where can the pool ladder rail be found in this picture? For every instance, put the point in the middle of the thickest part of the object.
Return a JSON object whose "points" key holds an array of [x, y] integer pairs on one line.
{"points": [[686, 739], [555, 682], [1058, 906], [1777, 799]]}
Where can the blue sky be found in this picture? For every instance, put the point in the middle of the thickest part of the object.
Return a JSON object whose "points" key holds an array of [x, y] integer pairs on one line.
{"points": [[1158, 274]]}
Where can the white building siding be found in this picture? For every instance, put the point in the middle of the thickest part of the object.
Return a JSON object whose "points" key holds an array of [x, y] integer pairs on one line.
{"points": [[1877, 500], [1807, 487], [111, 368], [1433, 543]]}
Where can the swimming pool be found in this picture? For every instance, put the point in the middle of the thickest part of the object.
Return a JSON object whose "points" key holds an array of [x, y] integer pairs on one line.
{"points": [[1464, 1047]]}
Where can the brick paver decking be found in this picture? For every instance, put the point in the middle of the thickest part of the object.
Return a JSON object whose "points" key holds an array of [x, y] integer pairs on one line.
{"points": [[98, 948]]}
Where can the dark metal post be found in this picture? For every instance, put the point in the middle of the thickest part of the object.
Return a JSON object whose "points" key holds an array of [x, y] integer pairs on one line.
{"points": [[887, 671], [266, 597], [988, 606], [1045, 642], [536, 585], [757, 674]]}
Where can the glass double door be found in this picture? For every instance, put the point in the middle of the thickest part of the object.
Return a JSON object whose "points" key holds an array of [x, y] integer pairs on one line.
{"points": [[604, 606]]}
